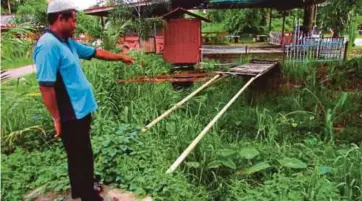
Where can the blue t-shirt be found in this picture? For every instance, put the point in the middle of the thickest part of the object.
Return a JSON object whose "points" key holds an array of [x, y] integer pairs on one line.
{"points": [[58, 64]]}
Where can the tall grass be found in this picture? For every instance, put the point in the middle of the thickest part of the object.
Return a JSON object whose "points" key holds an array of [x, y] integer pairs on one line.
{"points": [[13, 47], [22, 115], [10, 64], [282, 146]]}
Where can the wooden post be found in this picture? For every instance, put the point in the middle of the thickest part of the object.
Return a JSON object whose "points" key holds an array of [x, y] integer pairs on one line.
{"points": [[187, 151], [345, 51], [17, 83], [9, 7], [284, 52], [102, 22], [270, 19], [179, 104], [315, 14]]}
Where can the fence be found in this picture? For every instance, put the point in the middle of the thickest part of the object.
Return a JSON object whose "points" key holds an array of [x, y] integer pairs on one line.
{"points": [[317, 49], [276, 38], [152, 44]]}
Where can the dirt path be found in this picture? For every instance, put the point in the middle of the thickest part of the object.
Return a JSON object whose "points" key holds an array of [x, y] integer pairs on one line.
{"points": [[108, 192], [17, 72]]}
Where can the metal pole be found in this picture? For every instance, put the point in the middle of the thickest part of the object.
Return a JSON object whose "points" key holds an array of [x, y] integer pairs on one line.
{"points": [[187, 151], [283, 29], [179, 104], [154, 35], [139, 19]]}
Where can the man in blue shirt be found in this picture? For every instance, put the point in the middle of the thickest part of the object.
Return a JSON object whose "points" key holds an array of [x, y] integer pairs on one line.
{"points": [[68, 95]]}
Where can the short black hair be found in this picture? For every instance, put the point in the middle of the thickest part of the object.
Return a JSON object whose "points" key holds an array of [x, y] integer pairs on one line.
{"points": [[52, 17]]}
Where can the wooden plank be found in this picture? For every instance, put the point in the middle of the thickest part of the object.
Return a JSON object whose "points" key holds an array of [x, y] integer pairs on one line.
{"points": [[236, 74], [162, 80], [252, 68]]}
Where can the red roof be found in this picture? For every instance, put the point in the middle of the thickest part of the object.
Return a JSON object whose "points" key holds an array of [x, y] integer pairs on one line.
{"points": [[104, 10], [180, 11], [99, 11]]}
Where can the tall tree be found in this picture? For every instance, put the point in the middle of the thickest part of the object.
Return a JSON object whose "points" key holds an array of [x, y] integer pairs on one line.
{"points": [[11, 6], [238, 21], [89, 25], [123, 19], [308, 18], [33, 12], [338, 14]]}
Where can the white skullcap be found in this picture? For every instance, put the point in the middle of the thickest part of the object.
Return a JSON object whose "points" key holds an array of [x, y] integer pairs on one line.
{"points": [[57, 6]]}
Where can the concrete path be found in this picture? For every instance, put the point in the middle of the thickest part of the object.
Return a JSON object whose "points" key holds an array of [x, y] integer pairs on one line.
{"points": [[219, 49], [358, 42], [17, 72]]}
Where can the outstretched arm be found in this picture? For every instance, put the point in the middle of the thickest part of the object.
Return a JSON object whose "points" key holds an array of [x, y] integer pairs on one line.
{"points": [[110, 56], [88, 52]]}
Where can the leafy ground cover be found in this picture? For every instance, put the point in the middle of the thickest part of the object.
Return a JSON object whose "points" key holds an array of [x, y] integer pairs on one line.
{"points": [[295, 135]]}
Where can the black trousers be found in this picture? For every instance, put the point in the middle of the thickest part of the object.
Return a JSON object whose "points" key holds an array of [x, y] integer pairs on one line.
{"points": [[77, 144]]}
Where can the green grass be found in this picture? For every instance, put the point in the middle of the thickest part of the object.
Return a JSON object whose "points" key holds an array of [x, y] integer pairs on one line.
{"points": [[274, 143], [359, 20], [5, 64], [213, 27], [15, 52]]}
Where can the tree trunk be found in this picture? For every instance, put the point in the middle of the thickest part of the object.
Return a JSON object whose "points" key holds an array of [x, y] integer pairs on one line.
{"points": [[270, 19], [265, 17], [308, 19], [9, 7]]}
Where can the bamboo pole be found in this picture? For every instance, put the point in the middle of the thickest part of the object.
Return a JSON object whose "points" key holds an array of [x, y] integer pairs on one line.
{"points": [[187, 151], [179, 104], [9, 7]]}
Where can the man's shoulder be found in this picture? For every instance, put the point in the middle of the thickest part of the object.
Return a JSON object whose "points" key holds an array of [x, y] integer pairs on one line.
{"points": [[47, 40], [46, 43], [73, 42]]}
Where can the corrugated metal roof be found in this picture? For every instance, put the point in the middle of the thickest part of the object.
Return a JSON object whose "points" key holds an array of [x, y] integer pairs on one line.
{"points": [[213, 4], [278, 4], [239, 1], [105, 10]]}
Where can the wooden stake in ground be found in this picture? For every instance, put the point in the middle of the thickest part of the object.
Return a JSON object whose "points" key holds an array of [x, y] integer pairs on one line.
{"points": [[179, 104], [187, 151]]}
